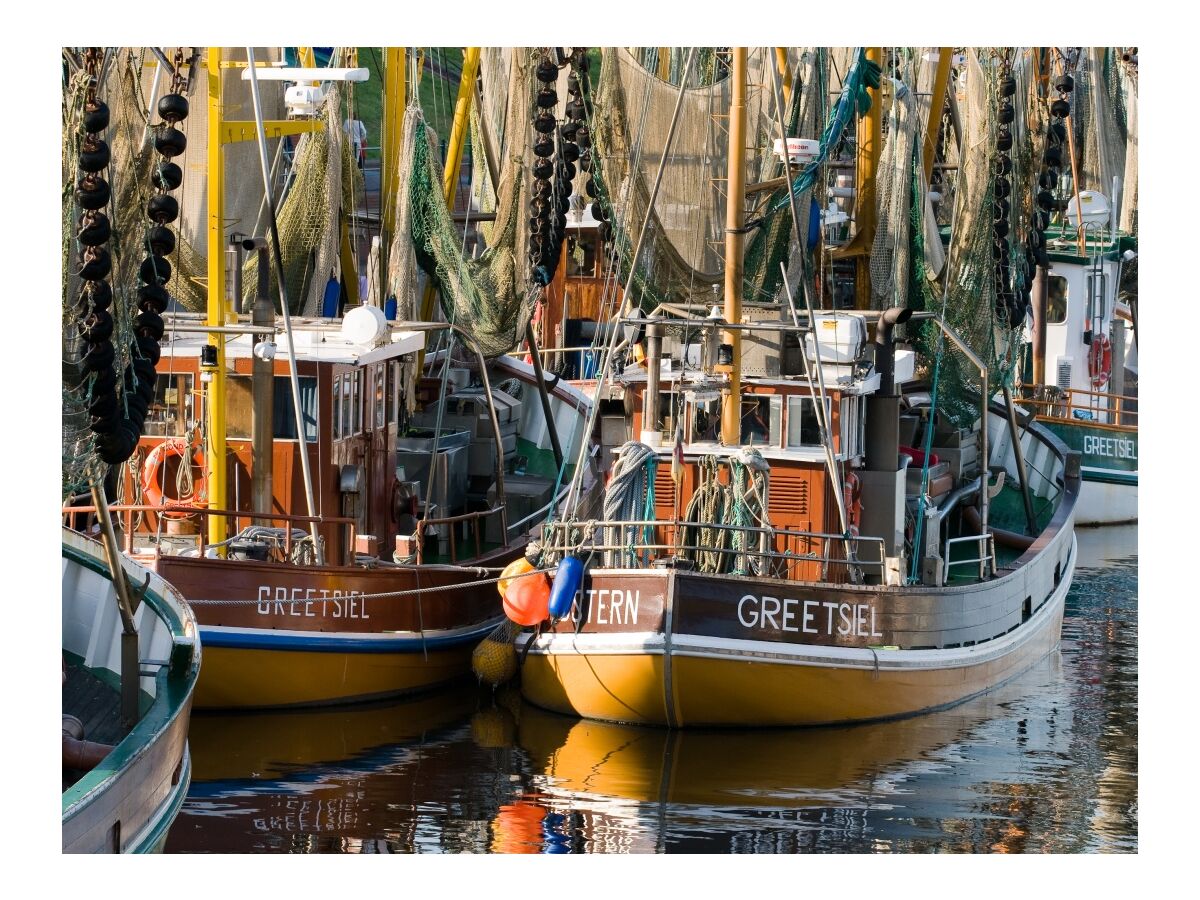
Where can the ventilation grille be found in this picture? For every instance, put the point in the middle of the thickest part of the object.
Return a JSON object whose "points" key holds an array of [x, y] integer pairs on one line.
{"points": [[664, 487], [788, 499], [1064, 372]]}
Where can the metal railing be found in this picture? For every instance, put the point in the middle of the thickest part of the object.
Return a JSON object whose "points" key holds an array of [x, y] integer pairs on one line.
{"points": [[1061, 403], [778, 552], [985, 547], [474, 518], [128, 511]]}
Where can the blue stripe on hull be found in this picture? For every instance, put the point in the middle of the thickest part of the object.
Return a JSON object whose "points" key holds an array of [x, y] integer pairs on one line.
{"points": [[324, 642]]}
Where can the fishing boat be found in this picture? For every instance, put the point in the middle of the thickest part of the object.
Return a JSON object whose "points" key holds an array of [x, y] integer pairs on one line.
{"points": [[805, 523], [334, 484], [128, 679], [1082, 382]]}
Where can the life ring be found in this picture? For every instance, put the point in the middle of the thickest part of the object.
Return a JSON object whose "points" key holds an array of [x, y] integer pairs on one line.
{"points": [[1100, 361], [151, 489], [852, 496]]}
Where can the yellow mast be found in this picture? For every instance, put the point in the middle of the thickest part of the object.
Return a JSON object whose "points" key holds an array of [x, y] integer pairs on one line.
{"points": [[731, 409], [214, 452], [220, 133], [870, 148], [785, 75], [940, 80]]}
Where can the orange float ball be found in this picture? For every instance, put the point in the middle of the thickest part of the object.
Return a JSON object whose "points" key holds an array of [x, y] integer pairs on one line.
{"points": [[527, 600], [518, 566]]}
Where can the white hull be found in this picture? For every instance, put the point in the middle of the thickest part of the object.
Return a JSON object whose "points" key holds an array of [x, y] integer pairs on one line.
{"points": [[1104, 503]]}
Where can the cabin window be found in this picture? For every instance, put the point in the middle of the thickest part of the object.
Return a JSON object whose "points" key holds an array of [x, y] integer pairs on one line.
{"points": [[803, 429], [239, 408], [706, 420], [853, 426], [760, 421], [393, 396], [380, 395], [1056, 300], [347, 403], [581, 254], [170, 412], [356, 402], [337, 407]]}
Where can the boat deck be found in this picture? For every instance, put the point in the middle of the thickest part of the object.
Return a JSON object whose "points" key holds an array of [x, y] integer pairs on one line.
{"points": [[97, 705]]}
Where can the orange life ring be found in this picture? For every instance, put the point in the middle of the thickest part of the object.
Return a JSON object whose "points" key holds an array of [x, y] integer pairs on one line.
{"points": [[152, 490], [1100, 361], [852, 496]]}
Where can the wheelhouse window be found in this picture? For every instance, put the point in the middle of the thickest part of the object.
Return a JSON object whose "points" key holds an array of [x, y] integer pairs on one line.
{"points": [[239, 415], [761, 421], [356, 402], [853, 426], [380, 399], [803, 429], [170, 411], [1056, 300]]}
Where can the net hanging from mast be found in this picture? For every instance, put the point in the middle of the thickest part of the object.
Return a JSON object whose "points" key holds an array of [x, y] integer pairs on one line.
{"points": [[488, 296]]}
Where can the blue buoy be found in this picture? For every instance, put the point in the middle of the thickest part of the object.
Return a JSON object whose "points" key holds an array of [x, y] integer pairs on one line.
{"points": [[814, 224], [566, 586], [389, 309], [329, 303]]}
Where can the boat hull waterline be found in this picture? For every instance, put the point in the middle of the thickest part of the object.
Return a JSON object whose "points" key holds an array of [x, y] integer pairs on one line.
{"points": [[681, 676], [284, 636]]}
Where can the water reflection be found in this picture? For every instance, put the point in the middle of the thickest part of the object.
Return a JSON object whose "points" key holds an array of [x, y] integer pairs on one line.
{"points": [[1046, 763]]}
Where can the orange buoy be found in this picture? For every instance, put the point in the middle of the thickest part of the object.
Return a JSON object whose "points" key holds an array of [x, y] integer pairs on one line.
{"points": [[518, 566], [173, 508], [527, 600]]}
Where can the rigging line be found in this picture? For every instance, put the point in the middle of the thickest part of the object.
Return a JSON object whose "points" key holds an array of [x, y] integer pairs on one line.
{"points": [[281, 281], [607, 359], [822, 410]]}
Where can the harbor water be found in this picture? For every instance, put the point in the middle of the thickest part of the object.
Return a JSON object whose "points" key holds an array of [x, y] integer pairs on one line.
{"points": [[1045, 763]]}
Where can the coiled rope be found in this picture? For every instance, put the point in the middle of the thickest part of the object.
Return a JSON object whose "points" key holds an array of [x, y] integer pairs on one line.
{"points": [[706, 507], [630, 493]]}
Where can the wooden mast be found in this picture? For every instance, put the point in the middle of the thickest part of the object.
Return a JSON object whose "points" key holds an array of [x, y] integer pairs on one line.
{"points": [[731, 409]]}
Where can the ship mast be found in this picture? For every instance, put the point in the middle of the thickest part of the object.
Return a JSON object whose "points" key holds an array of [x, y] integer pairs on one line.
{"points": [[731, 409]]}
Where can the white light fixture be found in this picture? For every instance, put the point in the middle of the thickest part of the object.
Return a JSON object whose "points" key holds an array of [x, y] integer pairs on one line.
{"points": [[265, 350]]}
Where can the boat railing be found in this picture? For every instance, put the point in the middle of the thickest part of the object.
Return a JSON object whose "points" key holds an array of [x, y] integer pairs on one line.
{"points": [[775, 552], [985, 547], [449, 525], [129, 512], [1063, 403]]}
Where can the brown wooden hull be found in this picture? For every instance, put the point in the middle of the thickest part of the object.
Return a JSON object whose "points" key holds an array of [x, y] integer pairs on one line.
{"points": [[280, 635]]}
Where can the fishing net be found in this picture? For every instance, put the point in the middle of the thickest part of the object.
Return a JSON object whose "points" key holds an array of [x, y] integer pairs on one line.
{"points": [[890, 252], [485, 296], [683, 256], [319, 192], [970, 288]]}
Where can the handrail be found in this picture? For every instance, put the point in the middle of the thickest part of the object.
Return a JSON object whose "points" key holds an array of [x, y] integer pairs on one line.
{"points": [[550, 541], [986, 559], [1064, 401], [129, 509]]}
